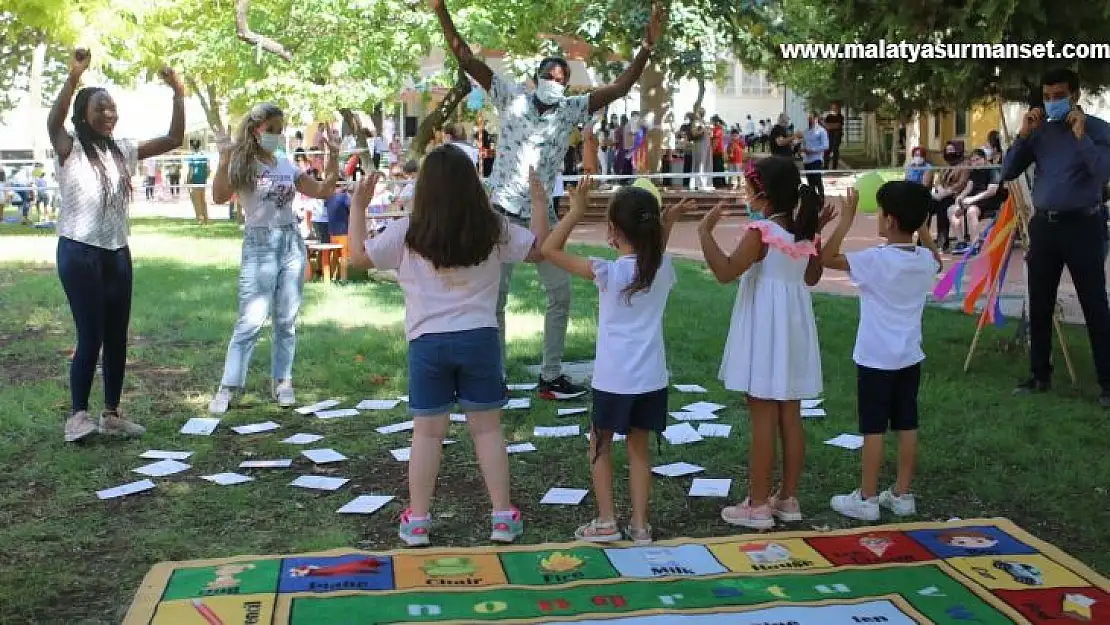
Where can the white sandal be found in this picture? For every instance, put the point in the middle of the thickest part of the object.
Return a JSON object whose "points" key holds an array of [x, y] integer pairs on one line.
{"points": [[598, 531]]}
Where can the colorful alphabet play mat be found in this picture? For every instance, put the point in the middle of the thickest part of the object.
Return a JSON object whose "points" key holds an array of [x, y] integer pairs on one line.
{"points": [[979, 571]]}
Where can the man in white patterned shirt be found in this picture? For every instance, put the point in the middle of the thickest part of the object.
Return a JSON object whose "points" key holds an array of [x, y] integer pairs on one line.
{"points": [[535, 133]]}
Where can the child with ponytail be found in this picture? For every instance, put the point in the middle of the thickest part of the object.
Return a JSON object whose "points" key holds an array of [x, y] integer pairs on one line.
{"points": [[772, 354]]}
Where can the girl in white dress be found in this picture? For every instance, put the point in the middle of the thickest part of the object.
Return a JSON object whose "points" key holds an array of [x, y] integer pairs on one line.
{"points": [[772, 354]]}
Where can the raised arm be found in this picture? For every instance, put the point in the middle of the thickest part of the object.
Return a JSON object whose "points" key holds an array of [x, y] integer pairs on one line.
{"points": [[1020, 155], [176, 136], [830, 252], [322, 189], [672, 215], [603, 96], [221, 182], [356, 230], [727, 268], [554, 247], [56, 120], [1094, 144], [470, 64]]}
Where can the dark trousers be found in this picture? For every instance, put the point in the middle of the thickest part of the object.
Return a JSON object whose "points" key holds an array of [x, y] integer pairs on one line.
{"points": [[718, 166], [940, 209], [377, 161], [25, 203], [1078, 243], [832, 156], [97, 283], [149, 185], [175, 184], [815, 180]]}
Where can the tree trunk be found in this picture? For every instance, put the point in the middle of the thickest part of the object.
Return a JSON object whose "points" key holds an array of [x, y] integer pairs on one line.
{"points": [[208, 103], [354, 124], [655, 98], [434, 120], [378, 117], [38, 61], [701, 91]]}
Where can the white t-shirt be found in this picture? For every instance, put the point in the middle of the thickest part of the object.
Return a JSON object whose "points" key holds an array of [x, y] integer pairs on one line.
{"points": [[270, 204], [84, 215], [560, 188], [379, 145], [470, 150], [893, 283], [151, 168], [630, 355], [447, 300]]}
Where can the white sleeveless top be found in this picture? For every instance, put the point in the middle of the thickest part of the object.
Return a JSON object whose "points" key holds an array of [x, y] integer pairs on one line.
{"points": [[84, 215]]}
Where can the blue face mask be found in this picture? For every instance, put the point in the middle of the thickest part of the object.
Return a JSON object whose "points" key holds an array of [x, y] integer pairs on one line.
{"points": [[1057, 110], [754, 213]]}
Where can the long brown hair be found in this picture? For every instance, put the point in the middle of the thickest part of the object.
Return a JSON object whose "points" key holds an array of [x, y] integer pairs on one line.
{"points": [[243, 170], [93, 143], [778, 180], [452, 223], [636, 215]]}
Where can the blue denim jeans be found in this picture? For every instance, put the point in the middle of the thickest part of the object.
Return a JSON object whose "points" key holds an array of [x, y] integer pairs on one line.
{"points": [[271, 281]]}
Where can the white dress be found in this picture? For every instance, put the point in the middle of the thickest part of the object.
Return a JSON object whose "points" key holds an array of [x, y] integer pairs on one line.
{"points": [[772, 350]]}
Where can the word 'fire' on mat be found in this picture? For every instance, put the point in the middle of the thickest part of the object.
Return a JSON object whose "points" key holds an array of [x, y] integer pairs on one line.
{"points": [[984, 571]]}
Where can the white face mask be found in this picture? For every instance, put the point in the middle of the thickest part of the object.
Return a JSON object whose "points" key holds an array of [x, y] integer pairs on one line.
{"points": [[917, 160], [988, 152], [271, 141], [550, 92]]}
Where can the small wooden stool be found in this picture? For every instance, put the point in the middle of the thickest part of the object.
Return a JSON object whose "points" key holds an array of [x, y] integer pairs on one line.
{"points": [[326, 254]]}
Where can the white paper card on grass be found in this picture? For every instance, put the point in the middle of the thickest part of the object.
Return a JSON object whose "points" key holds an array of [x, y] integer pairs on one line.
{"points": [[714, 430], [458, 418], [527, 386], [318, 406], [227, 479], [522, 403], [323, 456], [284, 463], [811, 403], [403, 398], [520, 448], [200, 426], [397, 427], [319, 482], [561, 431], [564, 496], [256, 428], [378, 404], [847, 441], [681, 434], [694, 416], [125, 489], [159, 454], [162, 468], [703, 406], [401, 455], [303, 439], [813, 413], [690, 388], [365, 504], [616, 437], [566, 412], [342, 413], [677, 469], [710, 487]]}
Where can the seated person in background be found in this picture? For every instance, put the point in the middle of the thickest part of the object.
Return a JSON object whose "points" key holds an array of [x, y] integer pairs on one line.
{"points": [[338, 208], [979, 202], [407, 183]]}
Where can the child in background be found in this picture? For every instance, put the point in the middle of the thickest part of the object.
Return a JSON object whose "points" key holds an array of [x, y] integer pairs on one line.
{"points": [[630, 375], [771, 353], [736, 149], [338, 208], [448, 257], [893, 280]]}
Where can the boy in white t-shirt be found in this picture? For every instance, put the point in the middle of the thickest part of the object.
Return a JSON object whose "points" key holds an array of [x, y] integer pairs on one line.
{"points": [[893, 280]]}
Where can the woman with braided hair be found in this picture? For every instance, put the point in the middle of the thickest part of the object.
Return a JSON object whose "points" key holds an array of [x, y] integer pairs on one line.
{"points": [[94, 261]]}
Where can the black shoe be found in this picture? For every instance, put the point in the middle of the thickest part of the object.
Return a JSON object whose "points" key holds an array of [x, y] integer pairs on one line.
{"points": [[1033, 386], [961, 247], [560, 388]]}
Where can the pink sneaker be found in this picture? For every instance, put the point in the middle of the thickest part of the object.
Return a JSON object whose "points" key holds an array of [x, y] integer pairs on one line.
{"points": [[747, 515], [786, 510]]}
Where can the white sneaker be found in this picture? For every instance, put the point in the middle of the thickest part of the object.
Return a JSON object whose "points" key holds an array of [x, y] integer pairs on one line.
{"points": [[78, 426], [854, 506], [900, 505], [283, 392], [220, 401]]}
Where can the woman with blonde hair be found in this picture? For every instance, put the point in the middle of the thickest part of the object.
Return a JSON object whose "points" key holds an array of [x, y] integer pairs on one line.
{"points": [[271, 276]]}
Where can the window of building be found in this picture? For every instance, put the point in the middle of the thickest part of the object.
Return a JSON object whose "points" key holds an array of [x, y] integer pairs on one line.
{"points": [[936, 125], [961, 123], [747, 83]]}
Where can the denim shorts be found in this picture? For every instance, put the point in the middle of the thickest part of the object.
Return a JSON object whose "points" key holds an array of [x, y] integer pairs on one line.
{"points": [[449, 368]]}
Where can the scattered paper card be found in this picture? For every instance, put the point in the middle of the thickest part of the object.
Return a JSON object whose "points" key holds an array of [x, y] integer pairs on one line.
{"points": [[677, 469], [200, 426], [284, 463], [681, 434], [616, 437], [522, 403], [256, 428], [401, 455], [562, 431], [397, 427], [303, 439], [365, 504], [690, 388], [342, 413], [403, 398], [566, 412], [694, 416], [714, 430], [527, 386], [158, 454], [703, 406], [564, 496], [813, 413], [378, 404], [520, 448], [319, 482], [458, 418], [162, 468], [124, 490], [227, 479], [318, 406], [710, 487], [847, 441], [323, 456], [811, 403]]}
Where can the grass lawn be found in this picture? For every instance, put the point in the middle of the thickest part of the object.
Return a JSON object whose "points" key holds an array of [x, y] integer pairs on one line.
{"points": [[69, 558]]}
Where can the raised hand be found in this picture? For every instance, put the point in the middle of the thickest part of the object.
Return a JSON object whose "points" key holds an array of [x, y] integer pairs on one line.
{"points": [[80, 61], [655, 27], [536, 189], [851, 204], [675, 211], [365, 189], [1077, 120], [580, 197], [828, 214], [171, 78], [712, 217], [1031, 121]]}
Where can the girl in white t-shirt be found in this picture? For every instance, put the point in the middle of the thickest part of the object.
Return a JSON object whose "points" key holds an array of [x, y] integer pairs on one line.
{"points": [[448, 256], [271, 275], [630, 374], [771, 354]]}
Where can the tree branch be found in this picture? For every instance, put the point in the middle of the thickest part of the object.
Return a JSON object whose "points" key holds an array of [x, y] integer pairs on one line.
{"points": [[242, 7]]}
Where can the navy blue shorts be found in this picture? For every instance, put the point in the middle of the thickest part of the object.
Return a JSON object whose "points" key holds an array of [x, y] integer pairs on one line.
{"points": [[887, 399], [450, 368], [620, 413]]}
